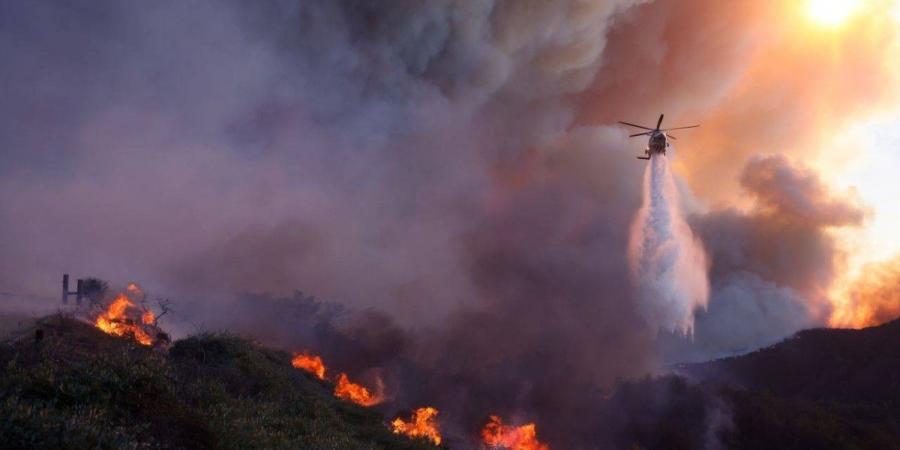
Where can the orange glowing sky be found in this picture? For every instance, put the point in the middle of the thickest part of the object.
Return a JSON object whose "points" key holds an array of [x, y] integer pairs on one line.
{"points": [[861, 154], [822, 86]]}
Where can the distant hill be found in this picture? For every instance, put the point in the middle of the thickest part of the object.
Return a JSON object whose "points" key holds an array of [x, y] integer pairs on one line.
{"points": [[821, 388], [840, 365], [74, 387]]}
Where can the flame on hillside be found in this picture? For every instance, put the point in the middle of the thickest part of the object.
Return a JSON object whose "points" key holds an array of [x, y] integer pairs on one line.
{"points": [[422, 424], [343, 388], [310, 363], [497, 435], [124, 318], [356, 393]]}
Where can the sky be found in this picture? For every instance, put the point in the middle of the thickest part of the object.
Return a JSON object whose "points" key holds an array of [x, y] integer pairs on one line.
{"points": [[453, 172]]}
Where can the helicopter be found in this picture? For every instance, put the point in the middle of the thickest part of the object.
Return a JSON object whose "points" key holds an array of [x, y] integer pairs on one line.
{"points": [[658, 137]]}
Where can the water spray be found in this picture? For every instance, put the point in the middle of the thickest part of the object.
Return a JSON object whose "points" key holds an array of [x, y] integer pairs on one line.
{"points": [[667, 262]]}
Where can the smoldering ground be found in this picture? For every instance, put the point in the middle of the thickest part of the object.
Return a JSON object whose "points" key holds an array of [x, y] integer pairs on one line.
{"points": [[436, 168]]}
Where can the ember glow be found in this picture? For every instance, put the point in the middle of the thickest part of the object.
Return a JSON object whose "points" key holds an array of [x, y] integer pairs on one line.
{"points": [[310, 363], [422, 424], [124, 318], [357, 393], [497, 435]]}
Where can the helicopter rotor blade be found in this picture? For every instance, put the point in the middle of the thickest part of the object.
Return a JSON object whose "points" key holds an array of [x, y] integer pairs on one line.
{"points": [[639, 134], [680, 128], [671, 137], [659, 122], [636, 126]]}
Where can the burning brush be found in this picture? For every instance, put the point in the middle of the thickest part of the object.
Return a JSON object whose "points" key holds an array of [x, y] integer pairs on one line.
{"points": [[344, 388], [127, 316], [422, 424], [310, 363], [357, 393], [497, 435]]}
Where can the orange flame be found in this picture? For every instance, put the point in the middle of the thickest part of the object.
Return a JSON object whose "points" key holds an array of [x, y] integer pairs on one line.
{"points": [[422, 424], [310, 363], [356, 393], [524, 437], [872, 298], [116, 321], [343, 388]]}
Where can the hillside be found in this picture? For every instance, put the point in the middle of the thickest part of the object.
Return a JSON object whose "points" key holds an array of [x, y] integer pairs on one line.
{"points": [[821, 388], [839, 365], [77, 387]]}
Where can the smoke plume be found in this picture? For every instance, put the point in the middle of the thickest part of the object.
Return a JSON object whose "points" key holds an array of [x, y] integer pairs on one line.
{"points": [[771, 263], [667, 261]]}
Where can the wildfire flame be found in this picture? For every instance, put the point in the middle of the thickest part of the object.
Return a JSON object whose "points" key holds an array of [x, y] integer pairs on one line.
{"points": [[343, 388], [310, 363], [497, 435], [422, 424], [868, 298], [356, 393], [116, 321]]}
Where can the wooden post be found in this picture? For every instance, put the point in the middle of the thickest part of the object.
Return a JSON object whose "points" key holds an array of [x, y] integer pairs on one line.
{"points": [[65, 290], [78, 292]]}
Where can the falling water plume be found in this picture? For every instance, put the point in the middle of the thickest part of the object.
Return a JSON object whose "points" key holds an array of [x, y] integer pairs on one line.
{"points": [[667, 262]]}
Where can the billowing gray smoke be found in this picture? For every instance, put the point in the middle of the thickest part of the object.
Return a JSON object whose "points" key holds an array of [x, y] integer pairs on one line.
{"points": [[667, 261], [771, 265], [427, 165]]}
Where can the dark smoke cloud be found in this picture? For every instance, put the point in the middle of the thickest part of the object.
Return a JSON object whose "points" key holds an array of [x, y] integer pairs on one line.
{"points": [[794, 210], [772, 264], [790, 194], [674, 57]]}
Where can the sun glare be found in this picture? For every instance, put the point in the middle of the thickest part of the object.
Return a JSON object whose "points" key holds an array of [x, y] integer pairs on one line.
{"points": [[830, 13]]}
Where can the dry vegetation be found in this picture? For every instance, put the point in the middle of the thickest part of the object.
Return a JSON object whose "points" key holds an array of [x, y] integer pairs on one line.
{"points": [[77, 387]]}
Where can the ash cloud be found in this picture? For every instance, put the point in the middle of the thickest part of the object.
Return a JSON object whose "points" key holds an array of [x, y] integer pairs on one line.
{"points": [[773, 263]]}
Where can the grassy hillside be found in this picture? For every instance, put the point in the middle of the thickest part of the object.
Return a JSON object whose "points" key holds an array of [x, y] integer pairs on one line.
{"points": [[79, 388], [14, 323]]}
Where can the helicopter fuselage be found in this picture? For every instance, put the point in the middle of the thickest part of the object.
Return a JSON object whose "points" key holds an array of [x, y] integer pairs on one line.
{"points": [[659, 137], [657, 144]]}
